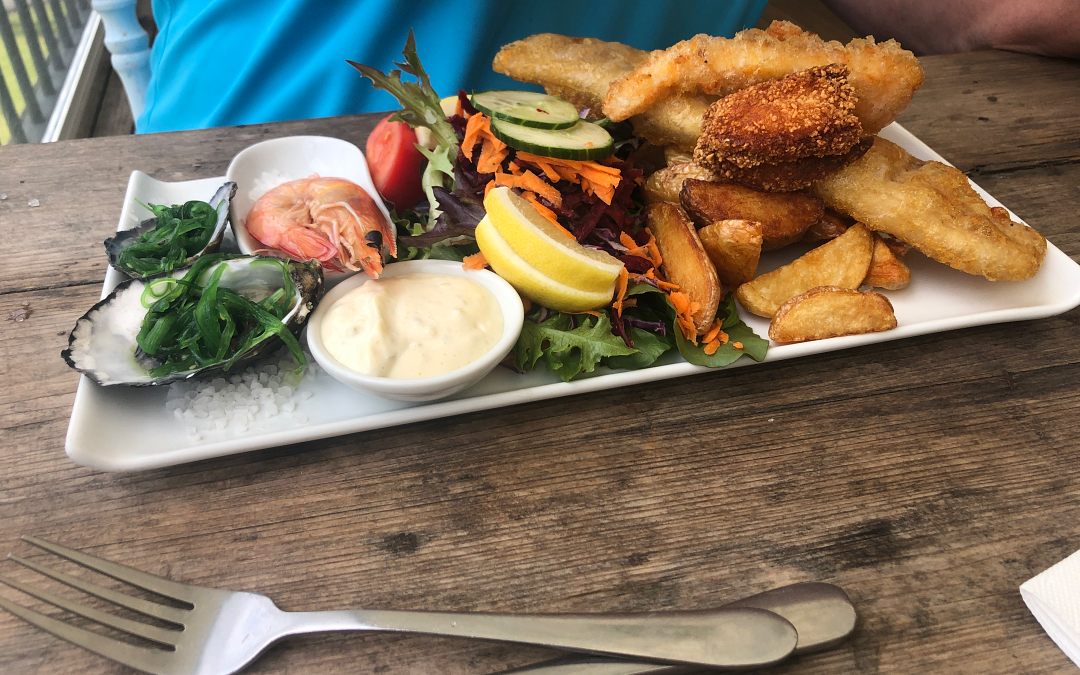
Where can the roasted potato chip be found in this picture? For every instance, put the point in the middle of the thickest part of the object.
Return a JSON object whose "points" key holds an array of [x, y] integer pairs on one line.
{"points": [[831, 226], [685, 260], [886, 270], [829, 311], [841, 262], [664, 185], [784, 216], [734, 246]]}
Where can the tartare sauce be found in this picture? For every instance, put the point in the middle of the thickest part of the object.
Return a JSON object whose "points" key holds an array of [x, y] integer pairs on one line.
{"points": [[412, 326]]}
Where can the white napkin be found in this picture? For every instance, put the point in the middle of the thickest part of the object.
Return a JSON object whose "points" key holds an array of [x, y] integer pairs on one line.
{"points": [[1053, 596]]}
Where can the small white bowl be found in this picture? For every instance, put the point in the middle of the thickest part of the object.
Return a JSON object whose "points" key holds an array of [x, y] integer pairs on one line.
{"points": [[261, 167], [421, 388]]}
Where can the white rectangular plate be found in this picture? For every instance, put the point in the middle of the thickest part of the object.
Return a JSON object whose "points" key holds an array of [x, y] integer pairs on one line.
{"points": [[126, 429]]}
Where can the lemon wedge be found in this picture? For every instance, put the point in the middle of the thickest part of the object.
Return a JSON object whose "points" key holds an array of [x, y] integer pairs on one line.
{"points": [[528, 280], [546, 248]]}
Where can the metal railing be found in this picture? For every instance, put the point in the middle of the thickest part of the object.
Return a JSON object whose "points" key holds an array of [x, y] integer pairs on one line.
{"points": [[38, 39]]}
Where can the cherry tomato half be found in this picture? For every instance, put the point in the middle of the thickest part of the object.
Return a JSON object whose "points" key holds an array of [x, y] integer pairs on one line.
{"points": [[395, 163]]}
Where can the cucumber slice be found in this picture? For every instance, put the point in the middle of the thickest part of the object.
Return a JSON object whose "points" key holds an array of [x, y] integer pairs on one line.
{"points": [[582, 141], [527, 108]]}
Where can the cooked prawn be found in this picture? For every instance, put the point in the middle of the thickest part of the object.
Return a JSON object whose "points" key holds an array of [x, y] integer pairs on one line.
{"points": [[332, 220]]}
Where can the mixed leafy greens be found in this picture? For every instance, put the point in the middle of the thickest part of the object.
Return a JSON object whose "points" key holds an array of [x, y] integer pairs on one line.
{"points": [[635, 333]]}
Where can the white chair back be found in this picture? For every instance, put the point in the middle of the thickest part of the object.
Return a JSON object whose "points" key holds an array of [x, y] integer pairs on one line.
{"points": [[129, 46]]}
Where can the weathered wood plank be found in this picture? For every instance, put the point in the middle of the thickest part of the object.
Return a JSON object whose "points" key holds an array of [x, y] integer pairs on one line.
{"points": [[995, 111]]}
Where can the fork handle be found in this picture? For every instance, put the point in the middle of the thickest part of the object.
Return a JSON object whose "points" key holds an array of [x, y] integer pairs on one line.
{"points": [[721, 638]]}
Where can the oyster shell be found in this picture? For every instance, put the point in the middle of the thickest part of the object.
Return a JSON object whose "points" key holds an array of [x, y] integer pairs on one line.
{"points": [[103, 345], [116, 244]]}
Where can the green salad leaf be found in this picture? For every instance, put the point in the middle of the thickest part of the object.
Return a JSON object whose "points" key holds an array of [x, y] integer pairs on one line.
{"points": [[753, 346], [420, 108], [569, 344], [575, 344]]}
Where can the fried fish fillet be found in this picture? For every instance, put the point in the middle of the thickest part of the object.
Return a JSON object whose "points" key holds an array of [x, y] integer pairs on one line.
{"points": [[884, 75], [933, 207], [580, 70]]}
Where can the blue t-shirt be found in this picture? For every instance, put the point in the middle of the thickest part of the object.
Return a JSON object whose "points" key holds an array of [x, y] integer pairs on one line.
{"points": [[226, 62]]}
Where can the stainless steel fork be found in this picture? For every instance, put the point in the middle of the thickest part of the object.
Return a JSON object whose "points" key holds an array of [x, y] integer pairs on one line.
{"points": [[219, 631]]}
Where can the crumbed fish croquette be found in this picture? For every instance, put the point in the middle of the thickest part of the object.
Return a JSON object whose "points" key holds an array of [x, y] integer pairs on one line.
{"points": [[806, 114]]}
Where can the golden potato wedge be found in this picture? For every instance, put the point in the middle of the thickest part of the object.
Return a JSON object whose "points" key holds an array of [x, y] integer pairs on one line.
{"points": [[899, 248], [664, 185], [831, 226], [886, 270], [784, 216], [841, 262], [734, 247], [685, 261], [830, 311]]}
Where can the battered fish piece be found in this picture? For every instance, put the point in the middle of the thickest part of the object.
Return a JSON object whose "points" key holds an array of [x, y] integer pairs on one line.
{"points": [[580, 71], [884, 75], [808, 115], [933, 207]]}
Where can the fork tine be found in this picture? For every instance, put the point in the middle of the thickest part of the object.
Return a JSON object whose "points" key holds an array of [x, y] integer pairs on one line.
{"points": [[147, 607], [141, 658], [129, 575], [160, 635]]}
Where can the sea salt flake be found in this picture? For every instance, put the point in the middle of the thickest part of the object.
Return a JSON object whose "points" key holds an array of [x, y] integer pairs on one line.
{"points": [[34, 203]]}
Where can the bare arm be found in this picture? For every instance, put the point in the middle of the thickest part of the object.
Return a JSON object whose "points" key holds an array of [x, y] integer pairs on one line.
{"points": [[1048, 27]]}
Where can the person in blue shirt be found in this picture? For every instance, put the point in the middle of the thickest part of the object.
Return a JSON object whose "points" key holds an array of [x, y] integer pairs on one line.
{"points": [[227, 62]]}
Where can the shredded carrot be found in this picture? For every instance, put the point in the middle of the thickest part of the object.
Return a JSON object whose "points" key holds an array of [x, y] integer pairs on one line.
{"points": [[545, 166], [593, 177], [715, 337], [684, 310], [545, 212], [654, 252], [737, 345], [716, 332], [476, 261], [530, 181], [620, 291], [493, 152]]}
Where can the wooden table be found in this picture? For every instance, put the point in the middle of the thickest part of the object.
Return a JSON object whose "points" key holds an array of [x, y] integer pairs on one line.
{"points": [[929, 477]]}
